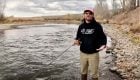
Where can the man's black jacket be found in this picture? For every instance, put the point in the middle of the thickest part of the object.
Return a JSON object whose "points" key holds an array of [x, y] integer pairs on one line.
{"points": [[91, 36]]}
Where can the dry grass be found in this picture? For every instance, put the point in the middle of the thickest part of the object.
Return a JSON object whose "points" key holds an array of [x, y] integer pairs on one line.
{"points": [[136, 39], [135, 28], [129, 22], [128, 17]]}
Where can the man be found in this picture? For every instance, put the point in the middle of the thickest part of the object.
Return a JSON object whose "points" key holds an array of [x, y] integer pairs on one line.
{"points": [[91, 38]]}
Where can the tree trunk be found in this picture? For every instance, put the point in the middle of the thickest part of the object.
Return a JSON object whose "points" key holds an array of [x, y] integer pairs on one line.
{"points": [[2, 8], [138, 3], [124, 4], [132, 4]]}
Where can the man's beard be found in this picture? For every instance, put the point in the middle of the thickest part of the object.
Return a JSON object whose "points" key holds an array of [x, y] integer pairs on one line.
{"points": [[89, 20]]}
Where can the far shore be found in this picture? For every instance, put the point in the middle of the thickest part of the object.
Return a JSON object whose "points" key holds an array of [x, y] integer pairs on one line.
{"points": [[5, 26]]}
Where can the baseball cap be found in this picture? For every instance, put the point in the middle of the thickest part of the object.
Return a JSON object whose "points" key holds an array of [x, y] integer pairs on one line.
{"points": [[89, 10]]}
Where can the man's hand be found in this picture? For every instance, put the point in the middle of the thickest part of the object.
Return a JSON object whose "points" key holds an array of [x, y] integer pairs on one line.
{"points": [[76, 42], [101, 48]]}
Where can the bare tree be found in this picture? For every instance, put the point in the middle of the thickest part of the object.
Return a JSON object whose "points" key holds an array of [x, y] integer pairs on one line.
{"points": [[2, 8], [123, 4], [102, 9], [129, 4], [132, 4], [115, 7], [138, 3], [101, 2], [126, 5]]}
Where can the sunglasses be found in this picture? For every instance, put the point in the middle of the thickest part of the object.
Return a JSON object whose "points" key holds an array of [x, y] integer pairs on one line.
{"points": [[90, 13]]}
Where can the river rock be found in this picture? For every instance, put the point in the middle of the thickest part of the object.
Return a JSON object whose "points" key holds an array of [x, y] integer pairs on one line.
{"points": [[113, 69], [137, 72]]}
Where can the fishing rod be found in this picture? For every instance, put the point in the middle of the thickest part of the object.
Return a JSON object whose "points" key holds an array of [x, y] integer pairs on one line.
{"points": [[62, 53]]}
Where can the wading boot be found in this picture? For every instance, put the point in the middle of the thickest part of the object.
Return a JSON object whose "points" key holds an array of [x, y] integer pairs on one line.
{"points": [[94, 78], [84, 77]]}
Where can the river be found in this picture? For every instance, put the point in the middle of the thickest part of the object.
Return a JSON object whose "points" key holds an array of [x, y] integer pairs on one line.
{"points": [[27, 51]]}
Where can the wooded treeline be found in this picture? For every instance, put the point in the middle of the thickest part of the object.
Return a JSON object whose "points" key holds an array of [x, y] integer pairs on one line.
{"points": [[106, 11]]}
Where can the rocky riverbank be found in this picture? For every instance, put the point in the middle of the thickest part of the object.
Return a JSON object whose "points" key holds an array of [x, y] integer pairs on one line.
{"points": [[14, 25], [127, 54]]}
